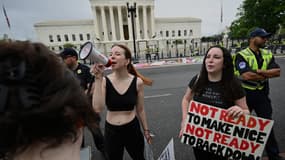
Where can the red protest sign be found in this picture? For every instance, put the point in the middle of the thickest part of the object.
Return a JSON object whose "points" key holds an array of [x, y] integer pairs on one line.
{"points": [[208, 128]]}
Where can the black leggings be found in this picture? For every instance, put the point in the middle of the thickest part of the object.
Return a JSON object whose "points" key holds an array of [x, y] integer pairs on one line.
{"points": [[127, 136]]}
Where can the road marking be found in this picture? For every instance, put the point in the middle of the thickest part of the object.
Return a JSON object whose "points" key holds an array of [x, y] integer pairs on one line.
{"points": [[158, 95]]}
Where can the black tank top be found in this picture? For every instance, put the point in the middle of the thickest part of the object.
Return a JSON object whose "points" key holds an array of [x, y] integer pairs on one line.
{"points": [[121, 102]]}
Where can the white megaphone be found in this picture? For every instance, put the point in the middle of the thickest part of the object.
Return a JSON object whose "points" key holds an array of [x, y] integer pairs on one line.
{"points": [[88, 51]]}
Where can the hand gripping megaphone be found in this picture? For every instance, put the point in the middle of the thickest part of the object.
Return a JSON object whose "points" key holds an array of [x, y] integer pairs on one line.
{"points": [[88, 51]]}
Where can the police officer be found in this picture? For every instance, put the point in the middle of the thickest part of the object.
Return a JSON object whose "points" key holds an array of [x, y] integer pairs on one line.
{"points": [[82, 72], [254, 66]]}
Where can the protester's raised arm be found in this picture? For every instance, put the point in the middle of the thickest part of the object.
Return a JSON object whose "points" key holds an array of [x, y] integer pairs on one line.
{"points": [[98, 98]]}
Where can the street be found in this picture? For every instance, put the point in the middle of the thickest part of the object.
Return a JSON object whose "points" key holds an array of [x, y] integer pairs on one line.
{"points": [[163, 99]]}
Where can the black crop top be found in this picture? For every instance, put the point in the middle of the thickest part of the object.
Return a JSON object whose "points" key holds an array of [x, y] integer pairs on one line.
{"points": [[121, 102]]}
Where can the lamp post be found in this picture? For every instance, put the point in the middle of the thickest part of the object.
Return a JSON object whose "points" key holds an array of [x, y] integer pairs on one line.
{"points": [[132, 12]]}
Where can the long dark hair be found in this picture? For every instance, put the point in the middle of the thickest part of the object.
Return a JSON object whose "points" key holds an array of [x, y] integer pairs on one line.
{"points": [[228, 80], [130, 67], [42, 102]]}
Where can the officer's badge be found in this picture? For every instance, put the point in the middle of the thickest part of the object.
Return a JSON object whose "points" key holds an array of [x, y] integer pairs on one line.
{"points": [[242, 65], [79, 71]]}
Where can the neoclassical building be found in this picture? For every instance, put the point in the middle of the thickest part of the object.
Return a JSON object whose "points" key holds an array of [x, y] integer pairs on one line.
{"points": [[112, 23]]}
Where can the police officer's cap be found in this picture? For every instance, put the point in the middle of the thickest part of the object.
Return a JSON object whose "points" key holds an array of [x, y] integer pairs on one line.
{"points": [[68, 52], [259, 32]]}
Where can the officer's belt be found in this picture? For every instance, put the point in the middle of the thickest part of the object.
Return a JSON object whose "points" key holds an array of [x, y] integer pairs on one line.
{"points": [[253, 83]]}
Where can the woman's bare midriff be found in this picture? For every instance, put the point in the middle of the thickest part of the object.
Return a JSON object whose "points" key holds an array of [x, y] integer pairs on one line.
{"points": [[120, 117]]}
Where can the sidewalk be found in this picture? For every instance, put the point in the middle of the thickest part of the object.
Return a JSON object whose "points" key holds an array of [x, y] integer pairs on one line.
{"points": [[178, 61], [170, 62]]}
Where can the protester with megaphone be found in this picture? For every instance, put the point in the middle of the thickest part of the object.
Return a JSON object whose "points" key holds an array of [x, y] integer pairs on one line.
{"points": [[122, 92]]}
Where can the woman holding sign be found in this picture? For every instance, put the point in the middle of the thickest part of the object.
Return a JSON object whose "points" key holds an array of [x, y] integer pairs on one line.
{"points": [[216, 85]]}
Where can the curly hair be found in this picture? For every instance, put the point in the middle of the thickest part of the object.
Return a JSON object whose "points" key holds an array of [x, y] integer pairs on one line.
{"points": [[41, 100]]}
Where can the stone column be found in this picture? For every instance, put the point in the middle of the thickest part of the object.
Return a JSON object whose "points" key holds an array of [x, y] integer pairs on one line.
{"points": [[152, 20], [104, 24], [112, 23], [121, 23], [96, 24], [145, 23]]}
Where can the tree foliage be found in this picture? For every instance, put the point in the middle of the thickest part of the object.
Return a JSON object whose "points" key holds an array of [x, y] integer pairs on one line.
{"points": [[267, 14], [69, 45]]}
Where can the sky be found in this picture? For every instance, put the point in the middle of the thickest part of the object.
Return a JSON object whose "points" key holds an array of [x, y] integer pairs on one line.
{"points": [[23, 14]]}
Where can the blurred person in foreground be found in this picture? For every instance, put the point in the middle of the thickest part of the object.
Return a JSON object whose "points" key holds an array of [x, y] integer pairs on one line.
{"points": [[122, 92], [43, 109]]}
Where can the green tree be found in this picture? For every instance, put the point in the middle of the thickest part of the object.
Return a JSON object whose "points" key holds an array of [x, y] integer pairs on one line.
{"points": [[268, 14], [69, 45]]}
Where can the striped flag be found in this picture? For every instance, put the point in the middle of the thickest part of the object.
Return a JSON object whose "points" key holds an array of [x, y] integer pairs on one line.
{"points": [[6, 16]]}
